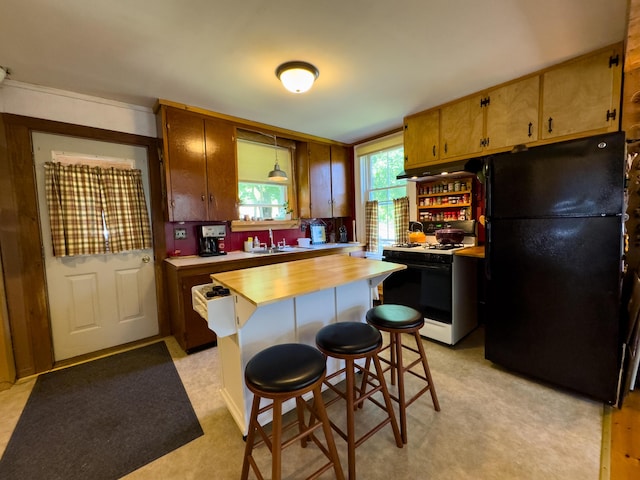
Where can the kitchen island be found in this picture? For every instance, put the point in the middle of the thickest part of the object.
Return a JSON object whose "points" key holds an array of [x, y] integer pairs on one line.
{"points": [[288, 302], [182, 273]]}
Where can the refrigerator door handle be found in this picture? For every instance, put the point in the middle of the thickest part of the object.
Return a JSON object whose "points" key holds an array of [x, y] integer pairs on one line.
{"points": [[488, 193], [487, 246]]}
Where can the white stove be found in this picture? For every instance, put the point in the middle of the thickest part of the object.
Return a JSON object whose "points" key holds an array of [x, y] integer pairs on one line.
{"points": [[429, 247], [436, 282]]}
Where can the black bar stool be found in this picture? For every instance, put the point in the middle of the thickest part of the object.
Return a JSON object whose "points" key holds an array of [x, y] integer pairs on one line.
{"points": [[396, 320], [351, 341], [279, 373]]}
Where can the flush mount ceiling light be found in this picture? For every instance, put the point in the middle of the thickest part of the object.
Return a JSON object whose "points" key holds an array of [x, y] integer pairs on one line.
{"points": [[297, 77], [4, 71]]}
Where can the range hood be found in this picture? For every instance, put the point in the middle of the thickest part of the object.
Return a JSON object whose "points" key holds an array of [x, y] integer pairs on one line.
{"points": [[452, 169]]}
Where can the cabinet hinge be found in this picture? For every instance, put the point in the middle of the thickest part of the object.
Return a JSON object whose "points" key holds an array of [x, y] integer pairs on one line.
{"points": [[614, 60], [485, 101], [611, 115]]}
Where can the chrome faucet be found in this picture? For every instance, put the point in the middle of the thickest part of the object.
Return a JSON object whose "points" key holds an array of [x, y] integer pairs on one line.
{"points": [[271, 238]]}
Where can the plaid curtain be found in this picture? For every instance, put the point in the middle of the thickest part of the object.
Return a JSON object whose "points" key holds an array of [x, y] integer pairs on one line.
{"points": [[371, 225], [125, 211], [75, 209], [401, 218], [82, 200]]}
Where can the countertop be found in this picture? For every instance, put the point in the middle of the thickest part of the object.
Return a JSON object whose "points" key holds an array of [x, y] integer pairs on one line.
{"points": [[194, 260], [272, 283], [475, 252]]}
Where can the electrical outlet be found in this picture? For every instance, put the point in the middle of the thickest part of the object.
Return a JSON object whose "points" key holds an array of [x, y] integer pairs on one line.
{"points": [[180, 233]]}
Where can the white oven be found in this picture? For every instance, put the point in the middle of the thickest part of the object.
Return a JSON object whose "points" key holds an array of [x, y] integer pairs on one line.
{"points": [[439, 284]]}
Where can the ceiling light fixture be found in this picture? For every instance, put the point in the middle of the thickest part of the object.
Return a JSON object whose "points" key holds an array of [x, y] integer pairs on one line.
{"points": [[297, 77], [4, 71], [277, 175]]}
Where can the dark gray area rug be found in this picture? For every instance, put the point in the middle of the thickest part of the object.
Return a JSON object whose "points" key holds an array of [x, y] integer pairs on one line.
{"points": [[101, 419]]}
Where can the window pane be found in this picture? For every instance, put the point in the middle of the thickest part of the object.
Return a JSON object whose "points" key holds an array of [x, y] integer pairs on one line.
{"points": [[262, 200], [382, 185]]}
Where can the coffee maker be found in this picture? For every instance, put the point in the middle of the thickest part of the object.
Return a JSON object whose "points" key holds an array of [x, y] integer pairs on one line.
{"points": [[211, 240]]}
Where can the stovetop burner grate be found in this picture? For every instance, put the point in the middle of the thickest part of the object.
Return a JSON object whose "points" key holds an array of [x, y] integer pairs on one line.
{"points": [[443, 246]]}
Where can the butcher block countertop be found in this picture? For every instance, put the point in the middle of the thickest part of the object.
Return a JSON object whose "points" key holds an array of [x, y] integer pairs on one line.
{"points": [[475, 252], [238, 259], [272, 283]]}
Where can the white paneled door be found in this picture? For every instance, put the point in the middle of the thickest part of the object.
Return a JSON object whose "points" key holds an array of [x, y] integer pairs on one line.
{"points": [[95, 301]]}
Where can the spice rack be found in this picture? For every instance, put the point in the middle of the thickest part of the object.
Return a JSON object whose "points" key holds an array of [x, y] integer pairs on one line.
{"points": [[445, 200]]}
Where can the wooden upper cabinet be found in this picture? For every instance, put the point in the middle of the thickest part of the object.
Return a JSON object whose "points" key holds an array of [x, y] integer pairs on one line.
{"points": [[222, 170], [323, 177], [199, 166], [583, 95], [185, 166], [461, 125], [512, 114], [340, 181], [320, 180], [421, 139]]}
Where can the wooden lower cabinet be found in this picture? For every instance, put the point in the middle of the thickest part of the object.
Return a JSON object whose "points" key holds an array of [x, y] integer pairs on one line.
{"points": [[187, 326]]}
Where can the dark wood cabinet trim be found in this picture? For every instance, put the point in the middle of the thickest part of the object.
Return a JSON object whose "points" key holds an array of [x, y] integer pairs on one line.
{"points": [[21, 242]]}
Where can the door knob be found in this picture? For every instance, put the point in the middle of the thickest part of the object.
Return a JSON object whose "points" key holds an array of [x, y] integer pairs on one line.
{"points": [[146, 259]]}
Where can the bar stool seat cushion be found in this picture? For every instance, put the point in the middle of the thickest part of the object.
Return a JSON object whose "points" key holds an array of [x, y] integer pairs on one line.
{"points": [[348, 338], [394, 316], [272, 370]]}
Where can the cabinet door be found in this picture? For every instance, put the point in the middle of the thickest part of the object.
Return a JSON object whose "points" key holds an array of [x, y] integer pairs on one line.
{"points": [[512, 114], [186, 168], [421, 136], [461, 127], [320, 180], [222, 171], [340, 180], [582, 95]]}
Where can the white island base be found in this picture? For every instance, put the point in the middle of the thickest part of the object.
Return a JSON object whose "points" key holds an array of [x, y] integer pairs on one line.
{"points": [[289, 313]]}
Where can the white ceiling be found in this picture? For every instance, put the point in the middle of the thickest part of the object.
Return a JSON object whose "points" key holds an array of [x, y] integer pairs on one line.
{"points": [[379, 60]]}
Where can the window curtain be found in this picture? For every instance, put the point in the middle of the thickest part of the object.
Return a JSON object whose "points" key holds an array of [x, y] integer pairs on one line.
{"points": [[74, 198], [85, 201], [371, 225], [125, 210], [401, 218]]}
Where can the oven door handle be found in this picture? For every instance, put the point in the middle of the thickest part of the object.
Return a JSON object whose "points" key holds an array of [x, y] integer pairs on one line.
{"points": [[433, 268]]}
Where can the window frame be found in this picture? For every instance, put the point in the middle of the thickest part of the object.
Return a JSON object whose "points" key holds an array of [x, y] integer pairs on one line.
{"points": [[388, 142], [267, 139]]}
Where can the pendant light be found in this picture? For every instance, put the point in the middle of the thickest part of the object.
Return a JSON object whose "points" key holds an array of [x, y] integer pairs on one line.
{"points": [[297, 77], [277, 175]]}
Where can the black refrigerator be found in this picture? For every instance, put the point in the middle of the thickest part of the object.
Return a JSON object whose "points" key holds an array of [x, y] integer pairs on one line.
{"points": [[554, 232]]}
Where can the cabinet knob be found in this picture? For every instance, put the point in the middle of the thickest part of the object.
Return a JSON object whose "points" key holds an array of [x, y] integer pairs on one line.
{"points": [[202, 197]]}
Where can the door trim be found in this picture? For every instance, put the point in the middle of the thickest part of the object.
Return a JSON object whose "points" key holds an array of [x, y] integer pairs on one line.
{"points": [[21, 239]]}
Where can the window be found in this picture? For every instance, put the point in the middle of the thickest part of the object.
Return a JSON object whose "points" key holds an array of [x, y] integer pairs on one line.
{"points": [[260, 198], [380, 163]]}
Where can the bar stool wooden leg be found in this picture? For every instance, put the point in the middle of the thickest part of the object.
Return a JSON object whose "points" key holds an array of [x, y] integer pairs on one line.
{"points": [[351, 429], [427, 372], [396, 320], [278, 374]]}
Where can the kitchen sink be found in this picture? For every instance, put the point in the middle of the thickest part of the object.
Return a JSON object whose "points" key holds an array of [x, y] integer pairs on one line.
{"points": [[270, 251]]}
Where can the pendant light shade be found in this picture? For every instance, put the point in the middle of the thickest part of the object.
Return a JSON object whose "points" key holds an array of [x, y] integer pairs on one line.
{"points": [[277, 175], [297, 77]]}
